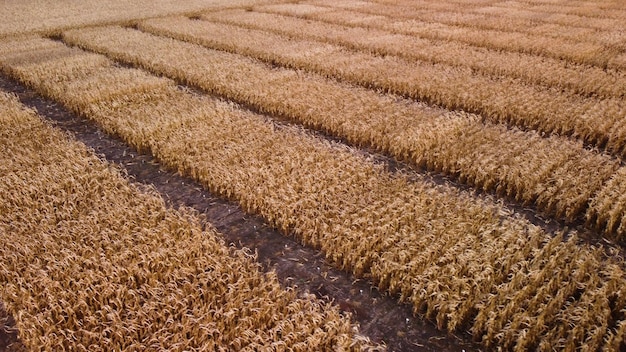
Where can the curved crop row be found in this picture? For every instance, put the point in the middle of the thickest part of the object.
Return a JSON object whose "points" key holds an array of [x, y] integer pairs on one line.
{"points": [[92, 263], [581, 53], [603, 31], [457, 259], [552, 173], [585, 80]]}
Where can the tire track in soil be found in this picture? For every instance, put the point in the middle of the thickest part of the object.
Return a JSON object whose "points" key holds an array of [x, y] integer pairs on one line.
{"points": [[379, 315]]}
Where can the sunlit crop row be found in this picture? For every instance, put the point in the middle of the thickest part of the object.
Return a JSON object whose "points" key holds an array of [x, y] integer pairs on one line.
{"points": [[604, 31], [606, 19], [500, 99], [590, 9], [595, 121], [93, 263], [464, 262], [582, 53], [586, 80], [608, 209], [553, 173]]}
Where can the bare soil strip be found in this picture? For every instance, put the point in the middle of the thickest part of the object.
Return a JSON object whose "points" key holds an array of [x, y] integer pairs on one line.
{"points": [[9, 341], [92, 262], [380, 317]]}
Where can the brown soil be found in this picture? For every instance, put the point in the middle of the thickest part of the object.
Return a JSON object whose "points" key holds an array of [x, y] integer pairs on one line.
{"points": [[380, 316], [8, 334]]}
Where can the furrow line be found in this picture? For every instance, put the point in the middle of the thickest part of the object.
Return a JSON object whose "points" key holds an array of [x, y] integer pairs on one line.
{"points": [[595, 121], [593, 9], [378, 315], [521, 19]]}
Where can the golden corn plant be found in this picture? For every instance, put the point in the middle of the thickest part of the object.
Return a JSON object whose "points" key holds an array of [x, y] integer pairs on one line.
{"points": [[488, 17], [421, 29], [91, 262], [586, 80], [404, 20], [463, 261], [606, 210], [426, 137], [497, 99]]}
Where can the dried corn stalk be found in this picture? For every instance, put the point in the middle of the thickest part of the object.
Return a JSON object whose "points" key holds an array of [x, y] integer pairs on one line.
{"points": [[90, 262], [552, 173], [585, 80], [464, 262]]}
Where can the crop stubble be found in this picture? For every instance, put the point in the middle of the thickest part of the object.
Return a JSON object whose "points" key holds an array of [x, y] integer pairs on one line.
{"points": [[91, 262]]}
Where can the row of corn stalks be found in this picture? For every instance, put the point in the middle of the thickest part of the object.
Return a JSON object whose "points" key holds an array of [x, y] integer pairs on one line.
{"points": [[558, 175], [595, 121], [459, 260], [532, 69], [517, 11], [93, 263], [405, 20], [596, 25], [561, 12]]}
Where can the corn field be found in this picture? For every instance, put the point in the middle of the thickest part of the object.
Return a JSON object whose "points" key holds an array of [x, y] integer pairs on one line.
{"points": [[285, 108], [91, 262]]}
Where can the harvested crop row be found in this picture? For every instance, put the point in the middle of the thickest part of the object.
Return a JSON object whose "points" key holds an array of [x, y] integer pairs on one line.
{"points": [[582, 53], [90, 262], [446, 252], [552, 173], [585, 29], [586, 80]]}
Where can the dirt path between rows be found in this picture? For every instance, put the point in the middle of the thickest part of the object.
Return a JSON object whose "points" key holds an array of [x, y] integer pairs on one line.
{"points": [[380, 317]]}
